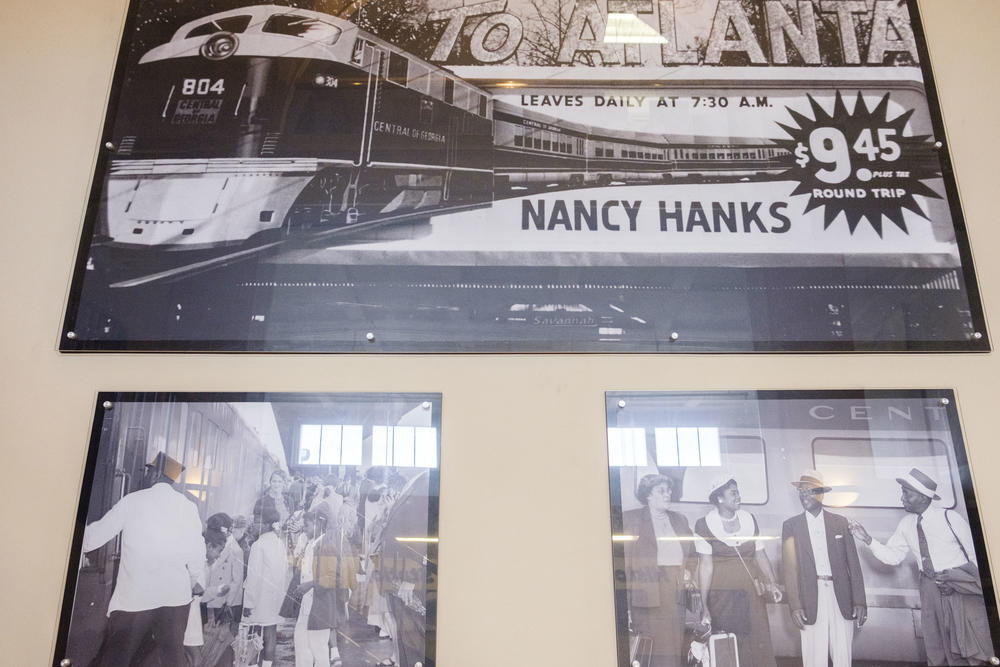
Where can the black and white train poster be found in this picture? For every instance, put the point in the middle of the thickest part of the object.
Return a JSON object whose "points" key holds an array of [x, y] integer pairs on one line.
{"points": [[256, 529], [524, 175], [796, 528]]}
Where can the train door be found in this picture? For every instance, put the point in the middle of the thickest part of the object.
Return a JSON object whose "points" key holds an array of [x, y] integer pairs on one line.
{"points": [[372, 61], [118, 472], [451, 150]]}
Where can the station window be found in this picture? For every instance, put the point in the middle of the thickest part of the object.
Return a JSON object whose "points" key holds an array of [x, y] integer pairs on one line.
{"points": [[482, 106], [610, 152], [546, 145], [537, 142], [518, 140], [599, 152], [449, 91], [330, 444], [305, 27], [228, 24], [693, 457], [404, 446], [399, 66], [863, 471]]}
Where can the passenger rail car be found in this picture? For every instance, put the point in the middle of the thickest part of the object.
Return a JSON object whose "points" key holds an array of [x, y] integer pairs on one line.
{"points": [[267, 119], [859, 447], [533, 149]]}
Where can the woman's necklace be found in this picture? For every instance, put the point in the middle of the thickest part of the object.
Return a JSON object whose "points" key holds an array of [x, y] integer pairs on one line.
{"points": [[732, 524]]}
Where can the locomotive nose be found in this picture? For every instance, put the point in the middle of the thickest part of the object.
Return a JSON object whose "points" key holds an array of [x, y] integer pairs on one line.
{"points": [[220, 46]]}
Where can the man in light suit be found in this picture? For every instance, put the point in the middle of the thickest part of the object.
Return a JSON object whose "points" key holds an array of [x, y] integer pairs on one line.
{"points": [[823, 580]]}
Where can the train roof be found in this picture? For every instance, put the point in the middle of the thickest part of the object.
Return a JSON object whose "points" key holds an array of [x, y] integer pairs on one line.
{"points": [[249, 23], [256, 36], [257, 13], [608, 134]]}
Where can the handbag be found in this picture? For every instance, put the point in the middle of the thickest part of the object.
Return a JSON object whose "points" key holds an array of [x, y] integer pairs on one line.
{"points": [[247, 646], [218, 638], [758, 585], [293, 599]]}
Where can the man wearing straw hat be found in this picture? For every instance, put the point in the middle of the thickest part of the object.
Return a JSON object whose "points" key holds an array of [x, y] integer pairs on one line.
{"points": [[823, 580], [162, 559], [952, 610]]}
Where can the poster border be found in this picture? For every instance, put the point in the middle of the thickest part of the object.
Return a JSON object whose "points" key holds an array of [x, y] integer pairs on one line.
{"points": [[67, 341], [105, 403]]}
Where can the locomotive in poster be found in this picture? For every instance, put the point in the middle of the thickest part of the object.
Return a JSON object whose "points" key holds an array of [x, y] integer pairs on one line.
{"points": [[260, 121]]}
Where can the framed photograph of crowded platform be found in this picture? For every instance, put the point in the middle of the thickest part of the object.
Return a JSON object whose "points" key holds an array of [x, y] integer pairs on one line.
{"points": [[256, 529], [526, 176], [782, 528]]}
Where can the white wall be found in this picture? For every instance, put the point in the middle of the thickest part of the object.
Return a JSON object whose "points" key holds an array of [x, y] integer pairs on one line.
{"points": [[525, 557]]}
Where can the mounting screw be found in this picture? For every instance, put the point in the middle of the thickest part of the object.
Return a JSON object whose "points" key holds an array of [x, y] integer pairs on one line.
{"points": [[71, 335], [995, 660], [426, 405], [418, 664], [945, 401], [636, 663], [370, 337], [108, 405], [674, 335], [65, 662], [621, 403], [938, 144], [110, 146], [977, 335]]}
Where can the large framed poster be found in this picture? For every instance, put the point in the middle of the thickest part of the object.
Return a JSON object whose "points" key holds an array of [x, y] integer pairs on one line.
{"points": [[795, 528], [524, 175], [248, 529]]}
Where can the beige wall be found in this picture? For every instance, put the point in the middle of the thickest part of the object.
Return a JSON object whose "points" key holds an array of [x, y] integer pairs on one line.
{"points": [[525, 557]]}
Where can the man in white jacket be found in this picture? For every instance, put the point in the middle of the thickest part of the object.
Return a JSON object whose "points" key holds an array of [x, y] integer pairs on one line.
{"points": [[162, 559]]}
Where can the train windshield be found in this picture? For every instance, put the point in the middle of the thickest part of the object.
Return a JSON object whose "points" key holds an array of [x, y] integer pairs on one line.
{"points": [[305, 27], [227, 24]]}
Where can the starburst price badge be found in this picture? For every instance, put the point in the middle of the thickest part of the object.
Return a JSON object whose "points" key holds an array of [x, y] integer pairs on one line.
{"points": [[859, 163]]}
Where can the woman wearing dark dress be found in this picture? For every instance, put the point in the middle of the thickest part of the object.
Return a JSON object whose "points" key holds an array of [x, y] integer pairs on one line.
{"points": [[735, 575], [658, 565]]}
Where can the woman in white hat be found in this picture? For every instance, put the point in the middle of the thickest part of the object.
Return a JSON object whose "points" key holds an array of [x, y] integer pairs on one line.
{"points": [[734, 574]]}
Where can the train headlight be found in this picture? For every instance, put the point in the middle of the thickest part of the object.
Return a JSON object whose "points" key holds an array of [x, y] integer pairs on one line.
{"points": [[220, 46]]}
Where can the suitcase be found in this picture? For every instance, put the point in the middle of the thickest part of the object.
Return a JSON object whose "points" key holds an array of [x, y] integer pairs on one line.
{"points": [[722, 651], [640, 650]]}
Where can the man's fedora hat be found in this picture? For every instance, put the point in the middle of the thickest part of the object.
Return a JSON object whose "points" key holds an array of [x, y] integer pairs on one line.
{"points": [[813, 481], [918, 481], [166, 466]]}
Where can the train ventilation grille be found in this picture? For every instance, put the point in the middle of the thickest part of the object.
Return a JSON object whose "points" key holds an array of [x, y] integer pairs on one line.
{"points": [[270, 145], [947, 281], [126, 145]]}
